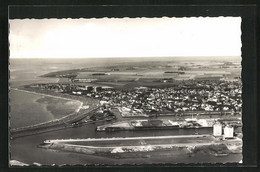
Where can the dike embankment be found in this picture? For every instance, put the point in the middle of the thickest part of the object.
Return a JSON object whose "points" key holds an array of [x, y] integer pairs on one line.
{"points": [[190, 144]]}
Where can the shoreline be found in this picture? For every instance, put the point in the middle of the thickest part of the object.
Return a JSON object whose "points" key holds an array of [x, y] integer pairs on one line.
{"points": [[51, 121], [42, 94], [83, 110], [25, 149]]}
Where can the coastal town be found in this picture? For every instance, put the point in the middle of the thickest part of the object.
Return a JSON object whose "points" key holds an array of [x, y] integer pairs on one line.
{"points": [[126, 91], [190, 105], [213, 97]]}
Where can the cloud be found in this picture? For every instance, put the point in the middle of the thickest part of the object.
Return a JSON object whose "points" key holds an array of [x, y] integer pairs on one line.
{"points": [[125, 37]]}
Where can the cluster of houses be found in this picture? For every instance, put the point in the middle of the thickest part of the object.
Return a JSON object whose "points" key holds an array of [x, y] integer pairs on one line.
{"points": [[209, 96], [70, 88], [222, 96]]}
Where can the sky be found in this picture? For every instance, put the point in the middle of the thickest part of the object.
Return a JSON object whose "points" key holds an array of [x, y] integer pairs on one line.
{"points": [[125, 37]]}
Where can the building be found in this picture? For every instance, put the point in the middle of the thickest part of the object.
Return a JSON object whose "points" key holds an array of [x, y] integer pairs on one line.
{"points": [[89, 88], [98, 89], [217, 129], [228, 131]]}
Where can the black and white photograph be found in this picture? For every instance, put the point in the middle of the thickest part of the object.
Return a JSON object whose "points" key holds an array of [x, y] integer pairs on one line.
{"points": [[115, 91]]}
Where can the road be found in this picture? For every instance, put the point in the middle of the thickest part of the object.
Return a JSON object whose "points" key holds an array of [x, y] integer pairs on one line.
{"points": [[117, 114]]}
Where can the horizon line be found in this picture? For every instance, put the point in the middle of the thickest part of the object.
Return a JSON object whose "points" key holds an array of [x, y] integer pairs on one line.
{"points": [[120, 57]]}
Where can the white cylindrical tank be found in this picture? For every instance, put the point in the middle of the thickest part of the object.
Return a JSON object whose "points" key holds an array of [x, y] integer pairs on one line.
{"points": [[217, 129], [228, 131]]}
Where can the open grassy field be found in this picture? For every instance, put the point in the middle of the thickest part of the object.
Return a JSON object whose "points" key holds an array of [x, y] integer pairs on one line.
{"points": [[153, 73]]}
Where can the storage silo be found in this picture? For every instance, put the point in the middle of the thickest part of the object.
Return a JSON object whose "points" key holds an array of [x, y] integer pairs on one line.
{"points": [[217, 129], [228, 131]]}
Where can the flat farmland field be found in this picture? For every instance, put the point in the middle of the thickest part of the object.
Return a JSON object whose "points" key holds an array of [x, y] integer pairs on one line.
{"points": [[153, 74]]}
